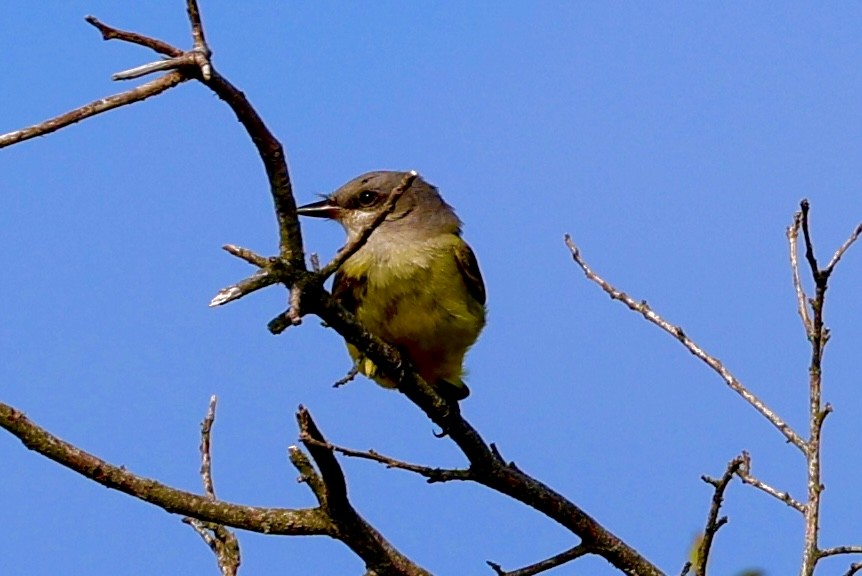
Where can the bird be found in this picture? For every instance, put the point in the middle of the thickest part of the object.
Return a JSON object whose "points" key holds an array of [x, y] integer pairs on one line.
{"points": [[415, 283]]}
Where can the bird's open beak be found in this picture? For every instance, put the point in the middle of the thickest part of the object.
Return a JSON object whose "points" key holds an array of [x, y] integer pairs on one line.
{"points": [[321, 209]]}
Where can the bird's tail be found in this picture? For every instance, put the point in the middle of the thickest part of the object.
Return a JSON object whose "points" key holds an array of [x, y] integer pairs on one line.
{"points": [[456, 390]]}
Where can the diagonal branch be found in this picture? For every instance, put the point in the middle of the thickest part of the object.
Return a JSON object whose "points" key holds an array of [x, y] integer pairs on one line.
{"points": [[558, 560], [744, 473], [296, 522], [111, 33], [142, 92], [644, 310], [350, 248], [432, 474], [842, 249]]}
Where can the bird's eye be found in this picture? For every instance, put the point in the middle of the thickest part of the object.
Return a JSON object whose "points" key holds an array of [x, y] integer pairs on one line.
{"points": [[368, 198]]}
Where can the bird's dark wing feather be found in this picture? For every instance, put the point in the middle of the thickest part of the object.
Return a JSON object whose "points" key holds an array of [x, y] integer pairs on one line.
{"points": [[469, 268], [349, 291]]}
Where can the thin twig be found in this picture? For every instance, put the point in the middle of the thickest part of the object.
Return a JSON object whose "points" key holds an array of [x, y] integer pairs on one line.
{"points": [[545, 565], [247, 255], [206, 457], [842, 249], [713, 522], [221, 541], [111, 33], [350, 248], [260, 279], [806, 234], [801, 298], [177, 63], [744, 473], [352, 529], [349, 377], [644, 310], [853, 569], [432, 474]]}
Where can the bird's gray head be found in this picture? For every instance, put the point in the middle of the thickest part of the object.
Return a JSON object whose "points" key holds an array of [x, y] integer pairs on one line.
{"points": [[420, 210]]}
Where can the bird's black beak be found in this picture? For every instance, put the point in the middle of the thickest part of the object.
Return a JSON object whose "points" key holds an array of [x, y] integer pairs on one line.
{"points": [[322, 209]]}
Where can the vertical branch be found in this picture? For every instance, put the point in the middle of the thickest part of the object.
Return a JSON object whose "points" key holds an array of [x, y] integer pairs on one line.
{"points": [[818, 336], [801, 298], [713, 521], [221, 541]]}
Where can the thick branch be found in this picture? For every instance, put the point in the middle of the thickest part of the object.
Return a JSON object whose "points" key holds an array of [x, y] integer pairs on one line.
{"points": [[295, 522]]}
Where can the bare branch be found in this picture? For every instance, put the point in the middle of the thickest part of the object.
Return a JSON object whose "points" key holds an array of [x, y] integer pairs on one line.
{"points": [[206, 457], [744, 473], [644, 310], [853, 569], [806, 234], [296, 522], [350, 248], [182, 61], [200, 43], [545, 565], [432, 474], [488, 470], [842, 249], [111, 33], [818, 337], [841, 550], [801, 298], [258, 280], [379, 555], [713, 522], [142, 92], [308, 474], [221, 541], [351, 374]]}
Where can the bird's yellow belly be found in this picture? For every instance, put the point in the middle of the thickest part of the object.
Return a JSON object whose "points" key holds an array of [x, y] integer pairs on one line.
{"points": [[429, 315]]}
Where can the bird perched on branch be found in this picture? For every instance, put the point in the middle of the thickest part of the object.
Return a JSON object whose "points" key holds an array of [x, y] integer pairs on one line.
{"points": [[415, 282]]}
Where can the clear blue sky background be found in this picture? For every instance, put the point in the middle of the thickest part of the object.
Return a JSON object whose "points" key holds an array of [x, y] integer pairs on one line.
{"points": [[672, 140]]}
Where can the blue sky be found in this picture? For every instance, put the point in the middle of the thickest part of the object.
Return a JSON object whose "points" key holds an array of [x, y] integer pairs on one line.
{"points": [[672, 140]]}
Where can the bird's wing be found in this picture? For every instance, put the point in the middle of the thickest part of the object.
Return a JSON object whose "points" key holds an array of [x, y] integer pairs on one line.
{"points": [[348, 290], [469, 268]]}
